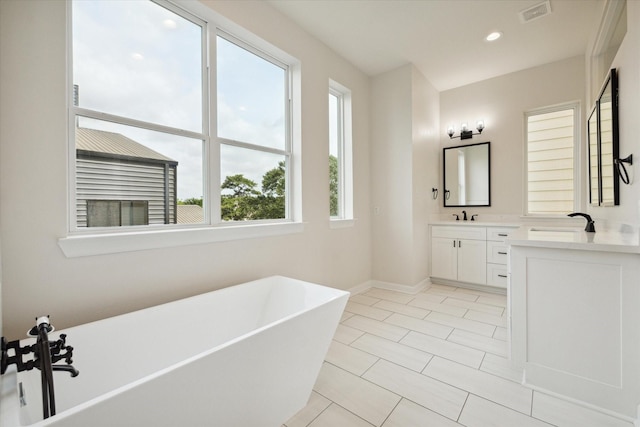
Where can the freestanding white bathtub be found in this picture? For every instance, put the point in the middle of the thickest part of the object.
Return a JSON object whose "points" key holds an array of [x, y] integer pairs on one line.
{"points": [[245, 356]]}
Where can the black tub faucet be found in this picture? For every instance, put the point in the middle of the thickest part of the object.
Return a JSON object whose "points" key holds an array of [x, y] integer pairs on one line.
{"points": [[45, 354], [590, 228]]}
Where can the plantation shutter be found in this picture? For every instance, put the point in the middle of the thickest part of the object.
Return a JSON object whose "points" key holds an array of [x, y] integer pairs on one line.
{"points": [[550, 147]]}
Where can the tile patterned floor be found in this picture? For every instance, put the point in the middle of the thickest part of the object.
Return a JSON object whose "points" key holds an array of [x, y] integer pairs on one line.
{"points": [[437, 358]]}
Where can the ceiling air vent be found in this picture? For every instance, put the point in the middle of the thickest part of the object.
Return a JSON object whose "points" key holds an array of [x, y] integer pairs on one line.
{"points": [[535, 12]]}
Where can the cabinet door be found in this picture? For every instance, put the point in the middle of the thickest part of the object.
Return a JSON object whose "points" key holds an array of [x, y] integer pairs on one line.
{"points": [[472, 261], [444, 258]]}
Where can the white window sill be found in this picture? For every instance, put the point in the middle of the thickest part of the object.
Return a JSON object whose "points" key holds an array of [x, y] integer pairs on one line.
{"points": [[100, 244], [341, 223]]}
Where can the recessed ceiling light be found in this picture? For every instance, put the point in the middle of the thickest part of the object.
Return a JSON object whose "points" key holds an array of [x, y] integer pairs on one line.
{"points": [[493, 36]]}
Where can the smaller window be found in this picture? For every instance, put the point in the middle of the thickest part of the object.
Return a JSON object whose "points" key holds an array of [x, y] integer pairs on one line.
{"points": [[340, 156], [551, 161], [116, 213]]}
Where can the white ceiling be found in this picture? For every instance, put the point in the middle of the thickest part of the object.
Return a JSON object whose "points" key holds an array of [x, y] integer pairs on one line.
{"points": [[444, 39]]}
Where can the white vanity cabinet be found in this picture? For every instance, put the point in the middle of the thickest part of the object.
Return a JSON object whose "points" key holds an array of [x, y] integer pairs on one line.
{"points": [[459, 253], [575, 323], [497, 255]]}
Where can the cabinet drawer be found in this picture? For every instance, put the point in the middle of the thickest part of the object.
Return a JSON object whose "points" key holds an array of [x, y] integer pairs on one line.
{"points": [[497, 275], [499, 234], [460, 232], [497, 252]]}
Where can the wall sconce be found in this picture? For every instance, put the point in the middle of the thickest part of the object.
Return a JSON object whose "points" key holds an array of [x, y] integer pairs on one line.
{"points": [[465, 133]]}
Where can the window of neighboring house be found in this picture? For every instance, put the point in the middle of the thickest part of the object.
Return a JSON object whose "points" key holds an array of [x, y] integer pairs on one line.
{"points": [[340, 165], [253, 123], [139, 119], [551, 160], [112, 213]]}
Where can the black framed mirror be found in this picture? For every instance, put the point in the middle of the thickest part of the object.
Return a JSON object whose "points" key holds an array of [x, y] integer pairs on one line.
{"points": [[594, 165], [467, 175], [604, 145], [609, 143]]}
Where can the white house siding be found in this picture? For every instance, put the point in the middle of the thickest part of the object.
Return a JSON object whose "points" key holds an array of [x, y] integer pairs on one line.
{"points": [[105, 179]]}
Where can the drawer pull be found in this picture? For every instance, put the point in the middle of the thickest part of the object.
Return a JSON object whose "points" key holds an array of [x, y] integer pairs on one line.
{"points": [[502, 275], [503, 235], [502, 253]]}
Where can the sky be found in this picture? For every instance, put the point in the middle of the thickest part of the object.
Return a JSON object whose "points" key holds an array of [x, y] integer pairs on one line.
{"points": [[139, 60]]}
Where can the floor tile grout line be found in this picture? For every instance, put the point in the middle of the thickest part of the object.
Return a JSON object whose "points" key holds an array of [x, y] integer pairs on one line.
{"points": [[387, 360], [394, 408], [482, 361], [506, 407], [462, 364], [477, 395], [337, 404], [462, 408], [408, 399]]}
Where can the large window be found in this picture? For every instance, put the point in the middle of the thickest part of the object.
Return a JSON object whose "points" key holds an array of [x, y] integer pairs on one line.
{"points": [[551, 160], [140, 120], [340, 163]]}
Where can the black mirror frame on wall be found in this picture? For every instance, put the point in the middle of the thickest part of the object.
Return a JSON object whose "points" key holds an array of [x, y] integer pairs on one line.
{"points": [[604, 137], [476, 176]]}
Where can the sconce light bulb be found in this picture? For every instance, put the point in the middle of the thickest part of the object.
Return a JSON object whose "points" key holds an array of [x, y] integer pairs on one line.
{"points": [[463, 127], [480, 125], [450, 131]]}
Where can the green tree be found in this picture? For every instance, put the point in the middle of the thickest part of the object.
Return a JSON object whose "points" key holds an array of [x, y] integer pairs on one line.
{"points": [[240, 186], [271, 204], [241, 203], [273, 182], [333, 185], [191, 201]]}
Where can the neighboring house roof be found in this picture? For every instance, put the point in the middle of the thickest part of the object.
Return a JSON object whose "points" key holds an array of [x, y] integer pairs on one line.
{"points": [[190, 214], [116, 144]]}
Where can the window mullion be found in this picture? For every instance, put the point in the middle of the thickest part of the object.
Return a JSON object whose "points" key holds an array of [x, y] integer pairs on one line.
{"points": [[255, 147], [212, 157], [84, 112]]}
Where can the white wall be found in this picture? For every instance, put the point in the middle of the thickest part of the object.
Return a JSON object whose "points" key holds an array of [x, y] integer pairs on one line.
{"points": [[404, 144], [425, 172], [38, 279], [627, 63], [501, 103], [391, 180]]}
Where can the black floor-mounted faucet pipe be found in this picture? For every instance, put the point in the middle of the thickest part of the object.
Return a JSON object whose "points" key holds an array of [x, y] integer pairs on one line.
{"points": [[45, 354]]}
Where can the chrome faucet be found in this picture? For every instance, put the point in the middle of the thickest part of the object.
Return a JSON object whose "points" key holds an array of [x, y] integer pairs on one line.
{"points": [[590, 228]]}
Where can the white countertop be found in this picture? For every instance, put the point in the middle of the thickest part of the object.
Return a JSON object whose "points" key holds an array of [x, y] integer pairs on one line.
{"points": [[476, 223], [625, 240]]}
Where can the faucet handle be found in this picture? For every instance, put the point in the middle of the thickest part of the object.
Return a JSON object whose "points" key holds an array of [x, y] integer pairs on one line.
{"points": [[457, 217], [473, 216]]}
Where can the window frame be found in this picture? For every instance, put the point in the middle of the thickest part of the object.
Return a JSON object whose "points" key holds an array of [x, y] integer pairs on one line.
{"points": [[345, 215], [578, 201], [106, 240]]}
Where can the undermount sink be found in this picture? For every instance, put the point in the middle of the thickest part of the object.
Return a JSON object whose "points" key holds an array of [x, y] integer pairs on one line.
{"points": [[555, 229]]}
